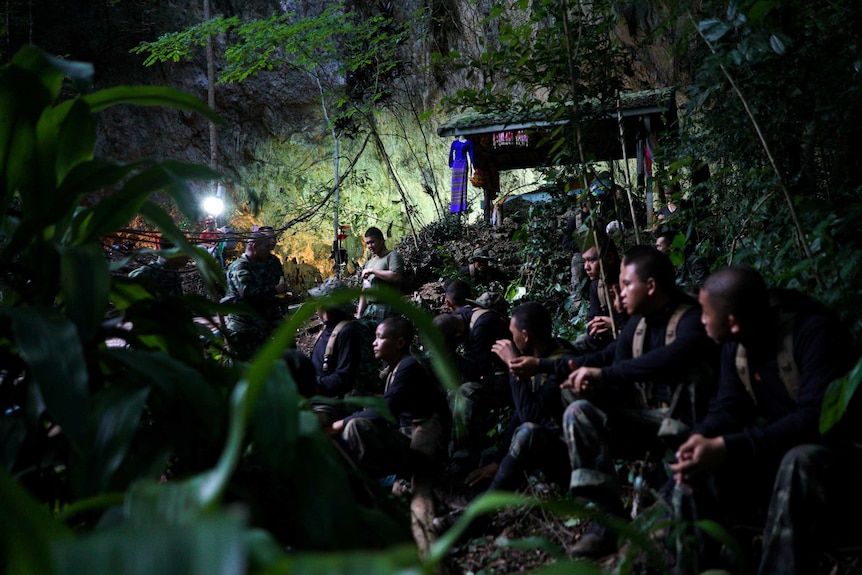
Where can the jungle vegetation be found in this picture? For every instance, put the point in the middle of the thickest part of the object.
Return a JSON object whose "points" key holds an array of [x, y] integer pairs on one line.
{"points": [[771, 110]]}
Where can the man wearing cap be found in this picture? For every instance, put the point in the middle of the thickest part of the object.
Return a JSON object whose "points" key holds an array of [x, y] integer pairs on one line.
{"points": [[274, 267], [164, 273], [250, 282], [482, 272], [384, 268], [337, 353]]}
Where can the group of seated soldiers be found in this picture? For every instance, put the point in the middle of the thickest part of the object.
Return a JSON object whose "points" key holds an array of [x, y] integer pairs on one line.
{"points": [[730, 383]]}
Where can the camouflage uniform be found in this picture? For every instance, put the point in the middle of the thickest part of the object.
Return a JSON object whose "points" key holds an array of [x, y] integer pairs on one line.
{"points": [[814, 487], [532, 437], [253, 284], [625, 418], [157, 273], [775, 455]]}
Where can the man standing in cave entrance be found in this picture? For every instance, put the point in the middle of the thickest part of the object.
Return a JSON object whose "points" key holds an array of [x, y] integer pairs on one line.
{"points": [[385, 268]]}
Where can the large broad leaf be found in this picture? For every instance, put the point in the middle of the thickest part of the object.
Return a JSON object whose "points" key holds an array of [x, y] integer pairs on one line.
{"points": [[150, 96], [85, 283], [49, 344], [117, 412], [397, 560], [276, 421], [116, 210], [84, 178], [43, 66], [26, 531], [74, 128], [211, 544], [838, 396], [178, 380], [209, 269], [22, 99]]}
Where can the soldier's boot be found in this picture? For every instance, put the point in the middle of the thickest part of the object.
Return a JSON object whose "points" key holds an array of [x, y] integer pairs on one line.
{"points": [[597, 541]]}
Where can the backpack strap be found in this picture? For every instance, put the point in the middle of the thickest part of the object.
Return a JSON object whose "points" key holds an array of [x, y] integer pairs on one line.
{"points": [[603, 296], [477, 313], [669, 334], [330, 344], [472, 268], [788, 371]]}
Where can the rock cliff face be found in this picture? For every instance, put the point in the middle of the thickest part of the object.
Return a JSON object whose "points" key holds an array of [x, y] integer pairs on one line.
{"points": [[275, 147]]}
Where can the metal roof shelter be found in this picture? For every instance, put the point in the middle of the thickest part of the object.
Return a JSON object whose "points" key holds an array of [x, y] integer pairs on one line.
{"points": [[520, 138]]}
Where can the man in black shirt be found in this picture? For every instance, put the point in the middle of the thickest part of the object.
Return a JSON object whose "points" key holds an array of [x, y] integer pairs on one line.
{"points": [[643, 388], [761, 442], [337, 354], [417, 441], [532, 437]]}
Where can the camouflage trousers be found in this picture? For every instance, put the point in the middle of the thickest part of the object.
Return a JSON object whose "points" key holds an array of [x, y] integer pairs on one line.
{"points": [[479, 408], [595, 437], [380, 449], [245, 342], [377, 312], [533, 446], [813, 504]]}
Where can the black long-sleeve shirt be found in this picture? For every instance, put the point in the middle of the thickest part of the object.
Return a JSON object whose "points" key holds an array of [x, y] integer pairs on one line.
{"points": [[344, 365], [412, 393], [664, 365], [767, 429], [537, 400], [479, 362]]}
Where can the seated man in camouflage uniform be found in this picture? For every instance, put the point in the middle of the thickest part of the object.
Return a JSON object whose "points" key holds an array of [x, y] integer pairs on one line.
{"points": [[252, 281], [648, 384], [163, 275], [416, 443], [760, 444], [532, 437]]}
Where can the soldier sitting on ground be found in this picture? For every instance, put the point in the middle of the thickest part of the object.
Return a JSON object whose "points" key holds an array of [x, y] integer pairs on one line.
{"points": [[484, 374], [760, 444], [532, 437], [338, 352], [416, 443]]}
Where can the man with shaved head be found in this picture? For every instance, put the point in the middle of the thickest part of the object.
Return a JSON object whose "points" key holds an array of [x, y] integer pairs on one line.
{"points": [[760, 445]]}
